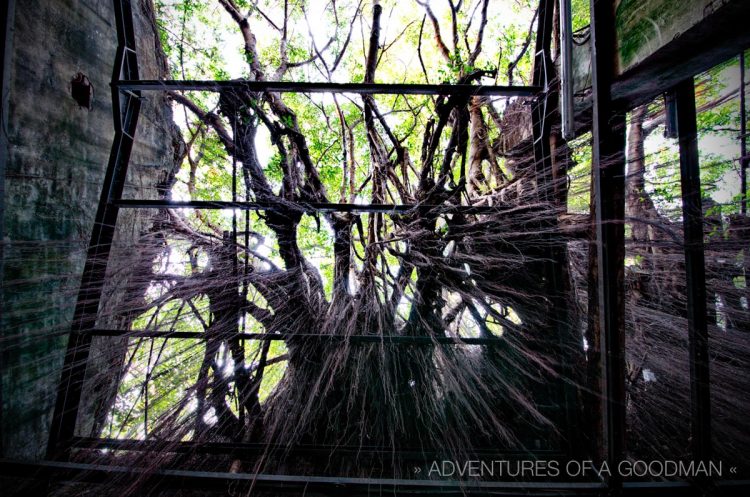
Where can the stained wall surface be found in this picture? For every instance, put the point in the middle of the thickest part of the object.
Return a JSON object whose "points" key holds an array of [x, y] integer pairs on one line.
{"points": [[57, 156]]}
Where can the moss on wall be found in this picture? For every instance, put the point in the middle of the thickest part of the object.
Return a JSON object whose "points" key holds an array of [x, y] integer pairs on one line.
{"points": [[645, 26]]}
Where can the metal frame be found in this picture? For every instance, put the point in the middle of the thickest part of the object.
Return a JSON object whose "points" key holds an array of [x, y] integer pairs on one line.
{"points": [[171, 478], [695, 270], [307, 87], [608, 170], [180, 479], [7, 18], [126, 87], [266, 337], [247, 448], [743, 137], [309, 207]]}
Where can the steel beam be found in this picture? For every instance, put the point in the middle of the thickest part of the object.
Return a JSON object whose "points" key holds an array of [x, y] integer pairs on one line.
{"points": [[186, 479], [242, 449], [173, 478], [394, 339], [567, 97], [7, 21], [743, 137], [545, 113], [692, 215], [309, 207], [310, 87], [608, 169]]}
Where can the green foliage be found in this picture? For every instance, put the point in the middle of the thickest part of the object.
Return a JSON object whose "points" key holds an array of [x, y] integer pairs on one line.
{"points": [[718, 123], [178, 363], [581, 13], [579, 192]]}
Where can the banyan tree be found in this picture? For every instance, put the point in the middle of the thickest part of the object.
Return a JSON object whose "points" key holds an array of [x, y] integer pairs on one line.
{"points": [[374, 244]]}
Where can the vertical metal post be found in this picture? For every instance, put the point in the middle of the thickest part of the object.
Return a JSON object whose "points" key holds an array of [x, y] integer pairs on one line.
{"points": [[608, 170], [546, 104], [125, 109], [7, 18], [545, 112], [692, 215], [566, 70], [743, 138]]}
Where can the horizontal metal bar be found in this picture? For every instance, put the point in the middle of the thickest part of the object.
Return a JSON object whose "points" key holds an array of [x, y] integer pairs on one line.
{"points": [[100, 473], [311, 207], [168, 478], [239, 448], [307, 87], [395, 339]]}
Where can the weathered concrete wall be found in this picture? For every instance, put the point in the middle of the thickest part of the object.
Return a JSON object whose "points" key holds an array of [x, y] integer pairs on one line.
{"points": [[56, 162], [659, 44], [645, 27], [643, 30]]}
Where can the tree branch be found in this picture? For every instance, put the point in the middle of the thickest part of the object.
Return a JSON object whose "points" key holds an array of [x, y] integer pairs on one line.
{"points": [[524, 48], [436, 28], [209, 118], [251, 52], [480, 35]]}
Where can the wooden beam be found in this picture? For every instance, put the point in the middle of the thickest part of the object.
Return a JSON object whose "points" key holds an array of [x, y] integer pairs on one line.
{"points": [[546, 114]]}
